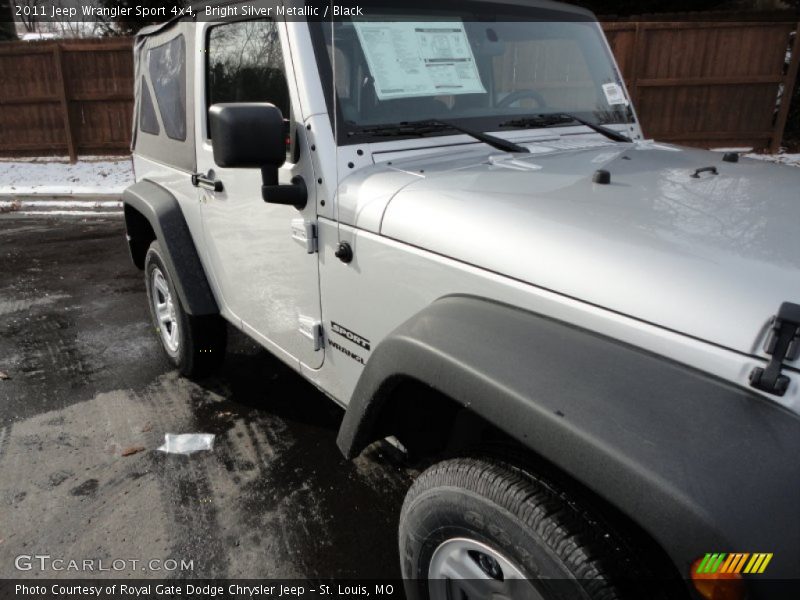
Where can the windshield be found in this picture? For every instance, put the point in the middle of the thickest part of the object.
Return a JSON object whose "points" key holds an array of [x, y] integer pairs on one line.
{"points": [[472, 67]]}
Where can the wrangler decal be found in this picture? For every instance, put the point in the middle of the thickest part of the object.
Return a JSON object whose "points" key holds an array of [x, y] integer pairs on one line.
{"points": [[346, 352]]}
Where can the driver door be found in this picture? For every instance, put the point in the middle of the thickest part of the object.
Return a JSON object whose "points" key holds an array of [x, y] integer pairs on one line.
{"points": [[263, 270]]}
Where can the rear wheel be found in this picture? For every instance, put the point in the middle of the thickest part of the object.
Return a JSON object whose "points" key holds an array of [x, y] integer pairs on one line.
{"points": [[479, 528], [195, 345]]}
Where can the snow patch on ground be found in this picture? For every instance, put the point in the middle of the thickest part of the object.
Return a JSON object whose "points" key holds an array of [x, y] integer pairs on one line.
{"points": [[8, 305], [55, 176], [782, 159]]}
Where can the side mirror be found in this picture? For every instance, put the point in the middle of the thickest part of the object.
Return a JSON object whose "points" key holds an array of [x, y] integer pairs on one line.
{"points": [[247, 135], [252, 135]]}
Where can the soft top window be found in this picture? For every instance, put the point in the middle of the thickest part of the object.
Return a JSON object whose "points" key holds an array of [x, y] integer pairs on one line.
{"points": [[167, 64], [148, 122]]}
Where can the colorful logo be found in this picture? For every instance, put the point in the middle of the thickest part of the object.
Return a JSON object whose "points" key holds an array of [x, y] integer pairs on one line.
{"points": [[738, 562]]}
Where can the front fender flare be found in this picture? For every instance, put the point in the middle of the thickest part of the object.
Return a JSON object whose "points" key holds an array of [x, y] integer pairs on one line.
{"points": [[698, 463]]}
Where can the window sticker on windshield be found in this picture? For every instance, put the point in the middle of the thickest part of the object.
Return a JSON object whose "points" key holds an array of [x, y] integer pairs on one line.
{"points": [[409, 59], [614, 94]]}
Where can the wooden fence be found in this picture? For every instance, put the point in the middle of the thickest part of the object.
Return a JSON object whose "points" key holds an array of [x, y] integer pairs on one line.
{"points": [[709, 84], [68, 97], [701, 84]]}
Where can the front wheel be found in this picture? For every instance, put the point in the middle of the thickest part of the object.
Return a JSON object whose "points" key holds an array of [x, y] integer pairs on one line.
{"points": [[478, 528], [193, 344]]}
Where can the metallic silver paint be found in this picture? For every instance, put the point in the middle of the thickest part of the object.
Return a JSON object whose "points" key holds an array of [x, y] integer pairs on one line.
{"points": [[711, 257], [401, 280], [264, 277]]}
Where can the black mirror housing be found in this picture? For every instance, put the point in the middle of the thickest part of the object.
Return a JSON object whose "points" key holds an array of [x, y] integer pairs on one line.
{"points": [[253, 135], [247, 135]]}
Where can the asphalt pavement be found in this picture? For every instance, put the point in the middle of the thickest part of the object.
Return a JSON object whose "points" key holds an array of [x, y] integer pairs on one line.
{"points": [[89, 398]]}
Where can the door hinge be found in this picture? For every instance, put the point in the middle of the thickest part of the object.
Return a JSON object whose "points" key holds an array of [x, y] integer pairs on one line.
{"points": [[783, 344], [305, 232], [312, 329]]}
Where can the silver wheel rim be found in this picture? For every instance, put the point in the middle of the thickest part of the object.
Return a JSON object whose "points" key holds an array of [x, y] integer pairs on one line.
{"points": [[464, 568], [164, 309]]}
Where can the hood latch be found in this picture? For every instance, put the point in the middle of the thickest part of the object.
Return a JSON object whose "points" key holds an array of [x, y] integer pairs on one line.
{"points": [[783, 344]]}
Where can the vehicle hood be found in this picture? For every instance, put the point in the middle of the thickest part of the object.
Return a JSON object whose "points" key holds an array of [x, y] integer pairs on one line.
{"points": [[712, 256]]}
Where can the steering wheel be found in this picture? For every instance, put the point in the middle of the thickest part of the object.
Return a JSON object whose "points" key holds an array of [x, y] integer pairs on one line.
{"points": [[518, 95]]}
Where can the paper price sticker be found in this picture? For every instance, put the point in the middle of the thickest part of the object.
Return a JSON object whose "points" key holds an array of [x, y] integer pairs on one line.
{"points": [[614, 94], [410, 59]]}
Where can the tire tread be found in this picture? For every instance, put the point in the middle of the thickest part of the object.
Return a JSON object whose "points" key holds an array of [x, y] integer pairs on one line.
{"points": [[593, 554]]}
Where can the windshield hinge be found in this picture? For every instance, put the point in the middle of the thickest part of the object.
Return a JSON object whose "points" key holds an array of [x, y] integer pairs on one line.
{"points": [[305, 233], [783, 344]]}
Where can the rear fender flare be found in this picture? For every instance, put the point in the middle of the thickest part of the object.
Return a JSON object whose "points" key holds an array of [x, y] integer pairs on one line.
{"points": [[162, 211]]}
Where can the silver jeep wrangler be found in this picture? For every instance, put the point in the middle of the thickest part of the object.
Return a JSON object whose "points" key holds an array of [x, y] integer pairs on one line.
{"points": [[446, 218]]}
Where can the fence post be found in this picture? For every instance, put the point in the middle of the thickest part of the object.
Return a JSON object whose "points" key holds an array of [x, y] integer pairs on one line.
{"points": [[636, 62], [788, 90], [58, 59], [632, 82]]}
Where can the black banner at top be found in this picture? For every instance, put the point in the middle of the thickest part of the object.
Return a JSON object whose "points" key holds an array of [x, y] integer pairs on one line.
{"points": [[159, 11]]}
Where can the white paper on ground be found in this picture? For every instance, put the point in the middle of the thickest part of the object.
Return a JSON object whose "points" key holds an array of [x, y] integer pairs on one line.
{"points": [[186, 443], [409, 59]]}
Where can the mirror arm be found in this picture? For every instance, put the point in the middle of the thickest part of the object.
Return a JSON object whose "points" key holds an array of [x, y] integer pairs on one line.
{"points": [[294, 194], [269, 176]]}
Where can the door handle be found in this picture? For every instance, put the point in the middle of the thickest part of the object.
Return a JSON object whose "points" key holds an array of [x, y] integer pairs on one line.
{"points": [[207, 181]]}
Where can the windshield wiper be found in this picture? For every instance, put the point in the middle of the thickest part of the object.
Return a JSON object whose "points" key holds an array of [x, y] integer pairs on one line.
{"points": [[435, 126], [551, 119]]}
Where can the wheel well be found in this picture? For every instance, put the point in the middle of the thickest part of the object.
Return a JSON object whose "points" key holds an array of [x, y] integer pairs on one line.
{"points": [[429, 423], [140, 234], [433, 426]]}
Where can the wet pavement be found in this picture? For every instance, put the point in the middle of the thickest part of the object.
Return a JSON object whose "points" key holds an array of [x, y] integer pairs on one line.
{"points": [[88, 384]]}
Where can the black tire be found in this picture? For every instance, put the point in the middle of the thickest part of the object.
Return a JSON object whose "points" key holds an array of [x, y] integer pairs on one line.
{"points": [[558, 545], [201, 341]]}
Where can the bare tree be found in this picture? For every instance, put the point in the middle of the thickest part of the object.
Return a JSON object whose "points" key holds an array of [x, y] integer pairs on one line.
{"points": [[28, 14], [8, 29], [79, 28], [131, 24]]}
